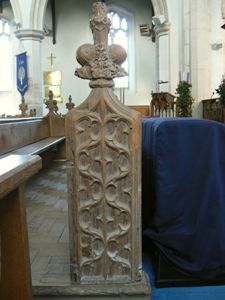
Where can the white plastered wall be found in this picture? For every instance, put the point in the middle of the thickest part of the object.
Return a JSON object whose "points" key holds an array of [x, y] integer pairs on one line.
{"points": [[217, 46]]}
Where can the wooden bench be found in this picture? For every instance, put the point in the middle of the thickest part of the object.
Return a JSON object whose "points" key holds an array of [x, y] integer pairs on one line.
{"points": [[143, 109], [31, 136], [15, 275], [212, 110]]}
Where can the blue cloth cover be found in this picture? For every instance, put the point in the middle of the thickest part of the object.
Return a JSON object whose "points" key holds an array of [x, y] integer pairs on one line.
{"points": [[183, 175]]}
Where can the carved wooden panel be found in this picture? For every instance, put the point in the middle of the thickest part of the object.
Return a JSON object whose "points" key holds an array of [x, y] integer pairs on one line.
{"points": [[104, 179], [106, 202]]}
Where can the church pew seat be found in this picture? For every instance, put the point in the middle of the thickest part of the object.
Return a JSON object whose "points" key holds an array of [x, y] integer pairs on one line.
{"points": [[143, 109], [32, 136], [40, 146], [15, 275]]}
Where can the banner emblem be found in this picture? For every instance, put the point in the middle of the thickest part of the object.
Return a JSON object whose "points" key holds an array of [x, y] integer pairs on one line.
{"points": [[22, 78]]}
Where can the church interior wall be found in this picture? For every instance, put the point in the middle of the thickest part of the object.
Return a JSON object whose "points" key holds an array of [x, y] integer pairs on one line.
{"points": [[174, 50], [200, 52], [217, 46], [72, 31], [195, 45], [10, 100], [207, 65]]}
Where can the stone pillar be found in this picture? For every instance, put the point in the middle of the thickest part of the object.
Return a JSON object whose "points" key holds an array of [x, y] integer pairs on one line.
{"points": [[104, 177], [200, 25], [184, 19], [31, 40], [161, 28]]}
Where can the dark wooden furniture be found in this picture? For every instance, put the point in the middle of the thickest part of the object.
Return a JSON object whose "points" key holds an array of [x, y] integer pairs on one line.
{"points": [[212, 110], [32, 136], [15, 280], [163, 105]]}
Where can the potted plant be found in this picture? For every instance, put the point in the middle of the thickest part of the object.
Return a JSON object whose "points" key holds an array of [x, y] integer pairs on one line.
{"points": [[221, 92], [184, 100]]}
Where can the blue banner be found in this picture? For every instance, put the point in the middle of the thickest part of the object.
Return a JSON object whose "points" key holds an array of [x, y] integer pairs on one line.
{"points": [[21, 73]]}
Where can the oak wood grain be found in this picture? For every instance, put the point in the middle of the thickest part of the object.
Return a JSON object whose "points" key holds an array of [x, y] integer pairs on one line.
{"points": [[15, 280]]}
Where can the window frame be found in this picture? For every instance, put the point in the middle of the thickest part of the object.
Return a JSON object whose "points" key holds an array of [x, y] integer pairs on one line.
{"points": [[123, 13]]}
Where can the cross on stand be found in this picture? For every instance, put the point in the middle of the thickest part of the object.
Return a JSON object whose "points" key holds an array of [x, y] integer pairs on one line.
{"points": [[70, 104], [51, 104], [51, 57], [23, 107]]}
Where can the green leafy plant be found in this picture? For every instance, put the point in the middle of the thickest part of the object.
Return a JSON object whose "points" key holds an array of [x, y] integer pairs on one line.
{"points": [[184, 100], [221, 91]]}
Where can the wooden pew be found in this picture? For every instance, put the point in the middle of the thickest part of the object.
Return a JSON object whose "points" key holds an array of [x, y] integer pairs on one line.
{"points": [[212, 110], [15, 279], [32, 136], [143, 109]]}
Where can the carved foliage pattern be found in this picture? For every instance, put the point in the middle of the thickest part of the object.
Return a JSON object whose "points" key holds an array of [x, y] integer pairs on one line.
{"points": [[103, 166]]}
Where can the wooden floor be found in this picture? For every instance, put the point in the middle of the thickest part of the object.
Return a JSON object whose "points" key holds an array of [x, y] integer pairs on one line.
{"points": [[48, 226]]}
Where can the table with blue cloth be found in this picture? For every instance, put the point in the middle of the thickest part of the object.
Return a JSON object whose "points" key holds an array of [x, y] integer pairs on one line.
{"points": [[183, 193]]}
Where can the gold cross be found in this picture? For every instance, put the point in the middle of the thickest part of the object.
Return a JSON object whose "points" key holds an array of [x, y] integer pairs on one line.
{"points": [[51, 57]]}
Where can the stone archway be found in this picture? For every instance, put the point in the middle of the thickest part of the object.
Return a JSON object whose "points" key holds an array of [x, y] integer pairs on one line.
{"points": [[160, 9], [38, 11], [16, 11], [35, 18], [30, 33]]}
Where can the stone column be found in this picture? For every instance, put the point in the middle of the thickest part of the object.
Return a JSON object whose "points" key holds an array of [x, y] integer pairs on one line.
{"points": [[31, 40], [104, 177], [184, 19], [200, 26], [161, 28]]}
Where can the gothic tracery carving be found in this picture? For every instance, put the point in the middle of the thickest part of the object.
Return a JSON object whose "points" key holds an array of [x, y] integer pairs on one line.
{"points": [[103, 150]]}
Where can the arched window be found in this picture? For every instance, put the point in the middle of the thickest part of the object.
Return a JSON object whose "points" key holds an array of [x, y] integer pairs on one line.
{"points": [[5, 55], [120, 33]]}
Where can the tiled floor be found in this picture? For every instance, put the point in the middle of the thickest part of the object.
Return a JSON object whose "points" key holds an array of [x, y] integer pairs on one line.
{"points": [[48, 226], [48, 238]]}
